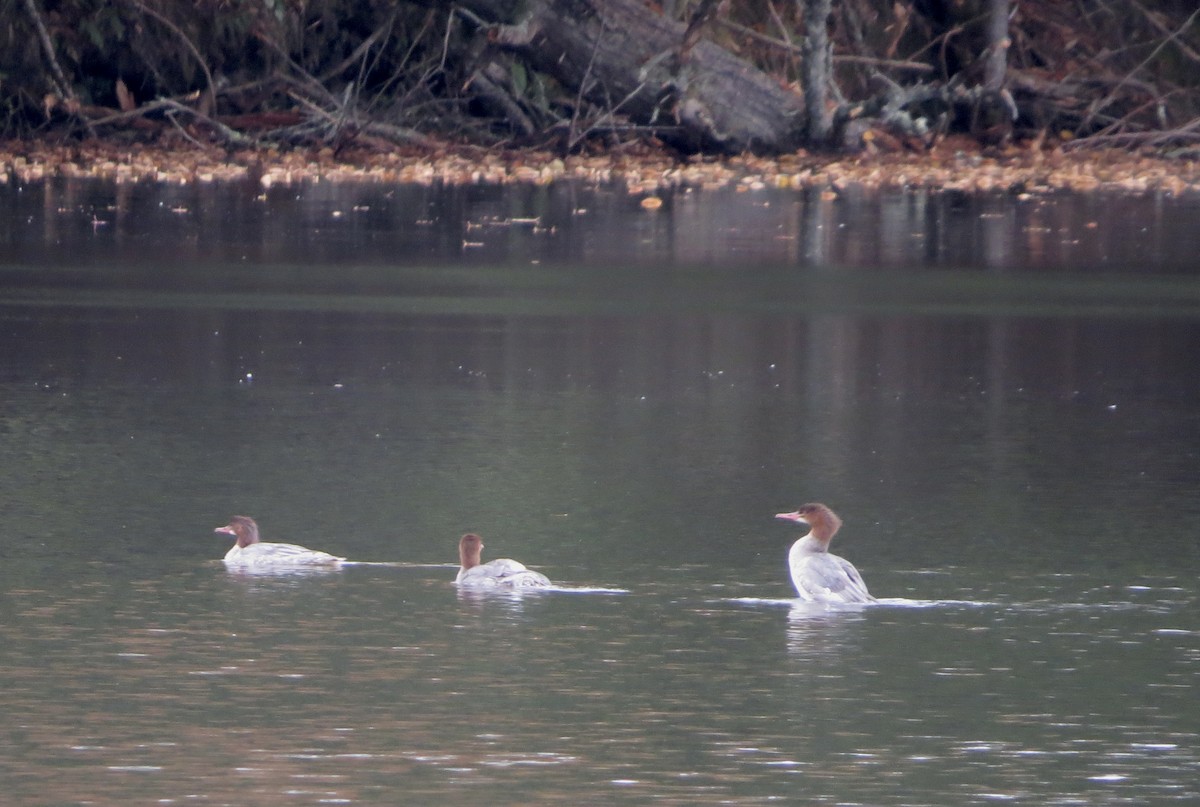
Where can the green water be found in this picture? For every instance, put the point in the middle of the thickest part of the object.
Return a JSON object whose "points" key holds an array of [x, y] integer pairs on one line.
{"points": [[999, 400]]}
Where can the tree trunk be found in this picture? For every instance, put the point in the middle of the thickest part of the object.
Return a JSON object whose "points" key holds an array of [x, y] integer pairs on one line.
{"points": [[996, 66], [818, 68], [625, 58], [995, 111]]}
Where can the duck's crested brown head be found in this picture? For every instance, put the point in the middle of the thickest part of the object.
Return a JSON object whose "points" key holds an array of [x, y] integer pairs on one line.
{"points": [[470, 550], [824, 522], [243, 528]]}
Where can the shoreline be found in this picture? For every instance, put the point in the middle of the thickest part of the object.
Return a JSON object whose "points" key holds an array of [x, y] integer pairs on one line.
{"points": [[955, 164]]}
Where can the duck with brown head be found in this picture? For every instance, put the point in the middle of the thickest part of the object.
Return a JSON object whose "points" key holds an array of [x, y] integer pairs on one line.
{"points": [[499, 573], [818, 574], [248, 550]]}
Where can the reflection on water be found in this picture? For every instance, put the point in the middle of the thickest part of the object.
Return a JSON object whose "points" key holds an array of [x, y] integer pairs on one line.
{"points": [[997, 397], [458, 227]]}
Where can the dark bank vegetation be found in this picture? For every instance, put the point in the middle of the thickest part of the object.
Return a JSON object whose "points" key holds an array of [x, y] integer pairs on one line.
{"points": [[579, 77]]}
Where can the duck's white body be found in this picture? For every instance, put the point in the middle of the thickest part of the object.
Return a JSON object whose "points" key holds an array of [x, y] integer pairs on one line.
{"points": [[500, 573], [817, 574], [820, 576], [270, 554], [249, 551]]}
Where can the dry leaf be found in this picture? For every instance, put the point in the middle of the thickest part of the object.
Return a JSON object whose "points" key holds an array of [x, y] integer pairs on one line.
{"points": [[125, 98]]}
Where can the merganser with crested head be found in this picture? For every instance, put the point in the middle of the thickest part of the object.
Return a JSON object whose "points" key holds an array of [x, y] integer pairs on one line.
{"points": [[250, 551], [500, 573], [817, 574]]}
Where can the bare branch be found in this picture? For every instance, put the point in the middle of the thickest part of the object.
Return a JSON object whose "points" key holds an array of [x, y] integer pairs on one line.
{"points": [[362, 49], [187, 42], [60, 79], [171, 105], [1108, 99], [896, 64], [63, 86]]}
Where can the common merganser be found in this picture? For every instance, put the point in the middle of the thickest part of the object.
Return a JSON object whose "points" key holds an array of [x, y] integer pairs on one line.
{"points": [[250, 551], [818, 575], [500, 573]]}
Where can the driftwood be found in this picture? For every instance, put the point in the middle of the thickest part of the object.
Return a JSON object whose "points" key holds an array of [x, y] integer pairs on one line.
{"points": [[631, 61]]}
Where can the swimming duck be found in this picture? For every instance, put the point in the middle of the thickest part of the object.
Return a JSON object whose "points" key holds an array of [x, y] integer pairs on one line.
{"points": [[818, 574], [250, 551], [500, 573]]}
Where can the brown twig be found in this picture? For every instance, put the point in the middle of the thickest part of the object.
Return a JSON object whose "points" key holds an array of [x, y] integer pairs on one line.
{"points": [[172, 105]]}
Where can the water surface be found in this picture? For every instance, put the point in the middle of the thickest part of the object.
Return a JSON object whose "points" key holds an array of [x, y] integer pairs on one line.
{"points": [[998, 395]]}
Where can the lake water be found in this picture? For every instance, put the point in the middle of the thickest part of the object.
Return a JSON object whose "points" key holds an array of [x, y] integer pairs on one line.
{"points": [[1000, 396]]}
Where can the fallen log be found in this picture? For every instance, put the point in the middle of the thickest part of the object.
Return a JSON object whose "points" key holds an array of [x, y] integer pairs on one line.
{"points": [[625, 58]]}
